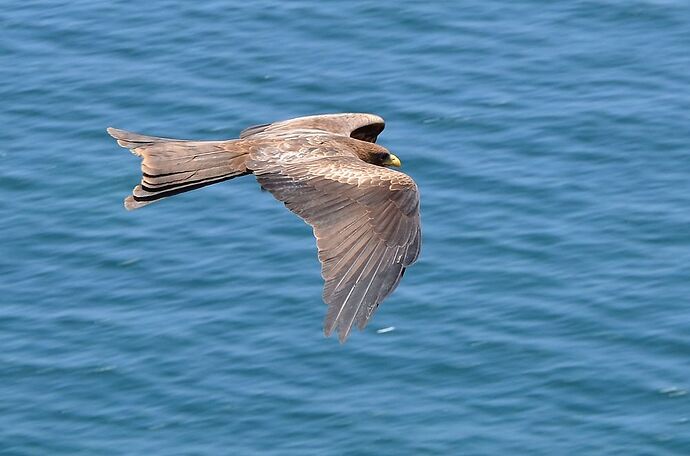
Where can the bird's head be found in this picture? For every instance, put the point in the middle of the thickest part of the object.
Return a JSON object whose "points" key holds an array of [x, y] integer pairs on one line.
{"points": [[388, 159], [377, 155]]}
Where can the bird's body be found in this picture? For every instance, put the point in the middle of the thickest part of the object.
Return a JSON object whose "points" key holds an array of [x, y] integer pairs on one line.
{"points": [[327, 170]]}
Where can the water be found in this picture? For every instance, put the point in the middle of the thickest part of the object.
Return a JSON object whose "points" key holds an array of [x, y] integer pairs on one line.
{"points": [[548, 313]]}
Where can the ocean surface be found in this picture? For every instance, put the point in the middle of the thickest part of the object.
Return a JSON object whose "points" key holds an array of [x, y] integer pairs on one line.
{"points": [[549, 312]]}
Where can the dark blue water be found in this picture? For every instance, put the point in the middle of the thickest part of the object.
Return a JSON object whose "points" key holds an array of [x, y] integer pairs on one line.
{"points": [[548, 314]]}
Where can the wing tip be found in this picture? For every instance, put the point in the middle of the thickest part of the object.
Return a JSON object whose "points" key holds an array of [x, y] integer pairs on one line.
{"points": [[343, 335], [329, 327]]}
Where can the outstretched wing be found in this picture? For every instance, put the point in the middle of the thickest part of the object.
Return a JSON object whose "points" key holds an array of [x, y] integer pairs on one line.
{"points": [[366, 223], [365, 127]]}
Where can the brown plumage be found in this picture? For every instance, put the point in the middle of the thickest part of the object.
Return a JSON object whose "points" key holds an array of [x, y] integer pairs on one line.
{"points": [[327, 170]]}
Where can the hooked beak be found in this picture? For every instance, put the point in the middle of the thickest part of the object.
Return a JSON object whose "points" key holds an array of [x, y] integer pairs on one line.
{"points": [[393, 161]]}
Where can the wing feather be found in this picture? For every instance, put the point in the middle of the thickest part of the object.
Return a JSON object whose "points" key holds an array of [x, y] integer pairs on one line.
{"points": [[365, 127], [366, 223], [349, 308]]}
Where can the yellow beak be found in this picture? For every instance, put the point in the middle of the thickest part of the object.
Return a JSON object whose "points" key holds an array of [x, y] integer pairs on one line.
{"points": [[393, 161]]}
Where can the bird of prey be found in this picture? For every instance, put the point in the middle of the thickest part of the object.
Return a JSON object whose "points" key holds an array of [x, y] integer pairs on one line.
{"points": [[328, 170]]}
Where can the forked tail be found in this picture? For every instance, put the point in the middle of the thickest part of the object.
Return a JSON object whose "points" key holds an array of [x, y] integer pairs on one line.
{"points": [[172, 166]]}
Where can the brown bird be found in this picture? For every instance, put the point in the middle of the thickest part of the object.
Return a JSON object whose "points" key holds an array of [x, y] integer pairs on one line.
{"points": [[328, 170]]}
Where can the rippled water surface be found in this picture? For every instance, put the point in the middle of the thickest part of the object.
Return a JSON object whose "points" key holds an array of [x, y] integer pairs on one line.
{"points": [[548, 314]]}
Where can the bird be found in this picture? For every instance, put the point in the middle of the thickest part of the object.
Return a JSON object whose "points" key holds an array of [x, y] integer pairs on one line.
{"points": [[329, 171]]}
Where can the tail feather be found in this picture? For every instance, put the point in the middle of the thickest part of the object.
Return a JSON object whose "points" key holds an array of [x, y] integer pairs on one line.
{"points": [[172, 166], [130, 140]]}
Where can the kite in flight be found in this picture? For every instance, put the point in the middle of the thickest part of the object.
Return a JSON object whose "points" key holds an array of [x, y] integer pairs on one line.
{"points": [[328, 170]]}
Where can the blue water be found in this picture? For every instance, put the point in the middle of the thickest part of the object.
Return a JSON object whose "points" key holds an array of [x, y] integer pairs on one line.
{"points": [[549, 313]]}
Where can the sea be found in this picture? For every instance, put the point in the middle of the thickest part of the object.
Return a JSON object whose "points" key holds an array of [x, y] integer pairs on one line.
{"points": [[549, 311]]}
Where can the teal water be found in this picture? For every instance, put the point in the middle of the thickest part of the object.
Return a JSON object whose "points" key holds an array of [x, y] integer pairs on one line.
{"points": [[548, 314]]}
